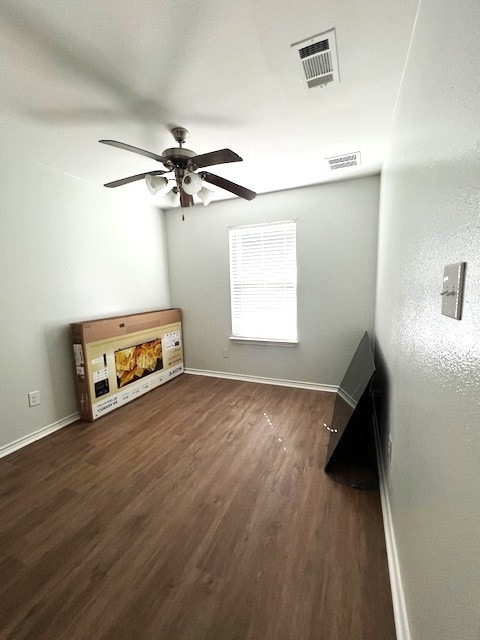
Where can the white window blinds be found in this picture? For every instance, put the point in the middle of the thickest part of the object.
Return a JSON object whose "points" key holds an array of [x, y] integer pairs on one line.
{"points": [[263, 281]]}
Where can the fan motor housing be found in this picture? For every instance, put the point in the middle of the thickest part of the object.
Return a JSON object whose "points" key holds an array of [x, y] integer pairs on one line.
{"points": [[178, 156]]}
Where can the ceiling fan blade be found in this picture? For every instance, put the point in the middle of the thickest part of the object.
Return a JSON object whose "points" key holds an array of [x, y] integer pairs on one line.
{"points": [[185, 199], [223, 183], [221, 156], [129, 147], [138, 176]]}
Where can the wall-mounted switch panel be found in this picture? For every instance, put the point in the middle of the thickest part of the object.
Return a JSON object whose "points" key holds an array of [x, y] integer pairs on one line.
{"points": [[452, 291]]}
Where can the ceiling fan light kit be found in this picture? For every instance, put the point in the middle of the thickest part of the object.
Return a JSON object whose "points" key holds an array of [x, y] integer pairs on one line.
{"points": [[155, 183], [191, 183], [183, 163], [205, 195], [172, 197]]}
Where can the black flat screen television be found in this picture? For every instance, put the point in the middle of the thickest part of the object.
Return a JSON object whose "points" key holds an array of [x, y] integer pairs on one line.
{"points": [[350, 455]]}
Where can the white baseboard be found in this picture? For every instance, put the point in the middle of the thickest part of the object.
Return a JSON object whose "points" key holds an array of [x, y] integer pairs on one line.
{"points": [[314, 386], [398, 597], [345, 396], [6, 449]]}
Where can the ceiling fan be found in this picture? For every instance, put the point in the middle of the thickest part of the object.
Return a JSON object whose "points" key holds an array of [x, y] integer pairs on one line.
{"points": [[184, 164]]}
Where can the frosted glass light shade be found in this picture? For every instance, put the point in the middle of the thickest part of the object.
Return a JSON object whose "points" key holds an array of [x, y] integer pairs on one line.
{"points": [[191, 184], [205, 195], [155, 183], [172, 197]]}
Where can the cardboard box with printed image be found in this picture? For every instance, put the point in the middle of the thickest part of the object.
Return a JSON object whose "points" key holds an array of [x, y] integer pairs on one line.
{"points": [[119, 359]]}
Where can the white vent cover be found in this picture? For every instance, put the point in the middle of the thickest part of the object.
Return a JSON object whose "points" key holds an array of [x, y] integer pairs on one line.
{"points": [[344, 161], [318, 55]]}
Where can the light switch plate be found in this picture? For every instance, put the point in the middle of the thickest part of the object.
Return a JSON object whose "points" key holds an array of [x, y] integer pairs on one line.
{"points": [[452, 291]]}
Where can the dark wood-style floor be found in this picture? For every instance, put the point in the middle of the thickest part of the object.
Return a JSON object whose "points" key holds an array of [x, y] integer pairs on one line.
{"points": [[200, 512]]}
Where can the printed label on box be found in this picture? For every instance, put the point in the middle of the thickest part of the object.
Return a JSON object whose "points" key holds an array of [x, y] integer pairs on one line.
{"points": [[125, 395], [101, 388], [171, 340], [78, 353], [100, 375]]}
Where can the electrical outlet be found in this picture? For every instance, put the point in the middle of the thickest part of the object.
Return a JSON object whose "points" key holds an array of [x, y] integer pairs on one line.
{"points": [[389, 452], [226, 353], [33, 398]]}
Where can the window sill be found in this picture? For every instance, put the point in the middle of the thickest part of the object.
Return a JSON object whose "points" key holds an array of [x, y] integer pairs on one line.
{"points": [[264, 341]]}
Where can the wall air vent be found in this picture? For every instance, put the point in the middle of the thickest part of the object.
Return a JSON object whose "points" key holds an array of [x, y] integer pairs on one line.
{"points": [[318, 56], [344, 161]]}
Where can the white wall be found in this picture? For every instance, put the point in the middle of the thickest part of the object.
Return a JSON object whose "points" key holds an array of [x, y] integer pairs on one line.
{"points": [[336, 251], [430, 205], [69, 251]]}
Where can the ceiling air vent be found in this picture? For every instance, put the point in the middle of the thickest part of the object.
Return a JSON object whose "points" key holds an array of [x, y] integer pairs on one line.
{"points": [[318, 56], [344, 161]]}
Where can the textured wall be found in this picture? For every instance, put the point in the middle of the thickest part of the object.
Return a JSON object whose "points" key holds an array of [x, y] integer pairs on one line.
{"points": [[336, 254], [430, 216], [70, 251]]}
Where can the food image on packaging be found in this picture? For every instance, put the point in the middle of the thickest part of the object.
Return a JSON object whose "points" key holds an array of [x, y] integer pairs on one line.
{"points": [[133, 363]]}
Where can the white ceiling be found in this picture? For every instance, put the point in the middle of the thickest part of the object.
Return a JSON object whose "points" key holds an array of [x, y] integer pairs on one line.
{"points": [[73, 72]]}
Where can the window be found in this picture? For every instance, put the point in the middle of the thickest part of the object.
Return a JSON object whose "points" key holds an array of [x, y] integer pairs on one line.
{"points": [[263, 282]]}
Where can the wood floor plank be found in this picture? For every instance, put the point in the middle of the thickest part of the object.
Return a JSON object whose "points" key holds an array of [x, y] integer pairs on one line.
{"points": [[198, 512]]}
